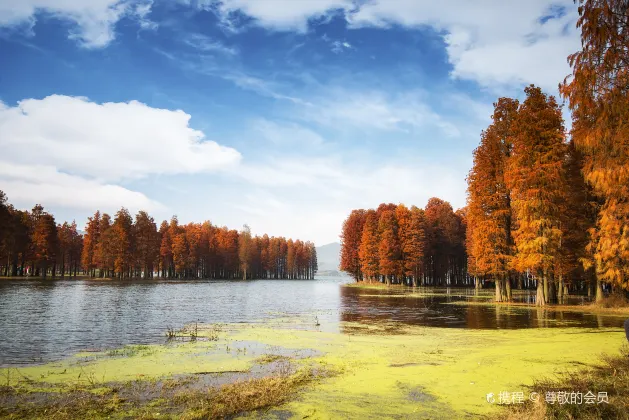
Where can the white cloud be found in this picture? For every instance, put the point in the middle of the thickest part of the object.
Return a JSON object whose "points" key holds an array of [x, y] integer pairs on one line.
{"points": [[493, 42], [142, 10], [94, 19], [282, 14], [30, 184], [71, 152], [109, 141]]}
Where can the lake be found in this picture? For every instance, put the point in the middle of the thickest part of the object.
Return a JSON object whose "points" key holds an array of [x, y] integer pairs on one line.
{"points": [[41, 321]]}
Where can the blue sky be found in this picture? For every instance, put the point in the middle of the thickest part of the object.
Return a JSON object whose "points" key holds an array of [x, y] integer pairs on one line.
{"points": [[283, 114]]}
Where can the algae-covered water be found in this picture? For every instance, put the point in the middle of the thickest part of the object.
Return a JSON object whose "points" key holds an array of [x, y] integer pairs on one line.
{"points": [[41, 321], [379, 352]]}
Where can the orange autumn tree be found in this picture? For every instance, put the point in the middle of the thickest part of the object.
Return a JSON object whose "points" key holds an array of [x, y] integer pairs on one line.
{"points": [[147, 243], [70, 248], [402, 215], [165, 249], [536, 179], [31, 243], [470, 243], [90, 241], [369, 248], [577, 217], [291, 256], [389, 251], [412, 241], [193, 257], [103, 251], [351, 237], [245, 250], [598, 93], [122, 243], [489, 214], [407, 246], [443, 241], [45, 241], [180, 253]]}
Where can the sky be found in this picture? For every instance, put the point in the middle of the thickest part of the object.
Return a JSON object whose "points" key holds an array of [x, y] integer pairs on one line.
{"points": [[282, 114]]}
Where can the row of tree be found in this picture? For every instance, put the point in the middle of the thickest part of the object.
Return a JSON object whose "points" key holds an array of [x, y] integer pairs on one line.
{"points": [[32, 243], [33, 240], [529, 208], [555, 208], [544, 208], [395, 244]]}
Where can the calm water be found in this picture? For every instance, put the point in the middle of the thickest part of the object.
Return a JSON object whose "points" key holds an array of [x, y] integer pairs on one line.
{"points": [[47, 320]]}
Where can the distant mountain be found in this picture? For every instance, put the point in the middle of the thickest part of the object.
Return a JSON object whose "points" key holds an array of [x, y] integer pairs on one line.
{"points": [[328, 256]]}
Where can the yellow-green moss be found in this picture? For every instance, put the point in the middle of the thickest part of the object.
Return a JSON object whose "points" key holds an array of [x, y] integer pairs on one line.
{"points": [[417, 372], [155, 362], [433, 370]]}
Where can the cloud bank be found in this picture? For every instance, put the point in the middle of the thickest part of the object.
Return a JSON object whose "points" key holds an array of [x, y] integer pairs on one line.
{"points": [[74, 152]]}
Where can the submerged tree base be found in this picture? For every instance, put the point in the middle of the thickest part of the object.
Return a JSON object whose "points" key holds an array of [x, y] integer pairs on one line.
{"points": [[603, 308]]}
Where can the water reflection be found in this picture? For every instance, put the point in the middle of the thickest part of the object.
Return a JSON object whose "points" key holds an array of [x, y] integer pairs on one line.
{"points": [[47, 320], [382, 305]]}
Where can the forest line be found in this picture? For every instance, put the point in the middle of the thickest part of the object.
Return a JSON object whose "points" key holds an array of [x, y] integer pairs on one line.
{"points": [[32, 243], [397, 245], [542, 204]]}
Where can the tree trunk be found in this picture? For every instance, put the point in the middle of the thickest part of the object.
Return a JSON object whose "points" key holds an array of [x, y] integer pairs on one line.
{"points": [[599, 291], [498, 290], [14, 267], [539, 298], [507, 281], [551, 295]]}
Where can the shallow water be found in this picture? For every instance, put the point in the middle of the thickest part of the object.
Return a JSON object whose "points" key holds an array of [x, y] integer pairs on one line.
{"points": [[42, 321]]}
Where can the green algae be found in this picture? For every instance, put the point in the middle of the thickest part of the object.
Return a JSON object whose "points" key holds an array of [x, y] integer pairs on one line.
{"points": [[152, 362], [453, 368], [417, 372]]}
